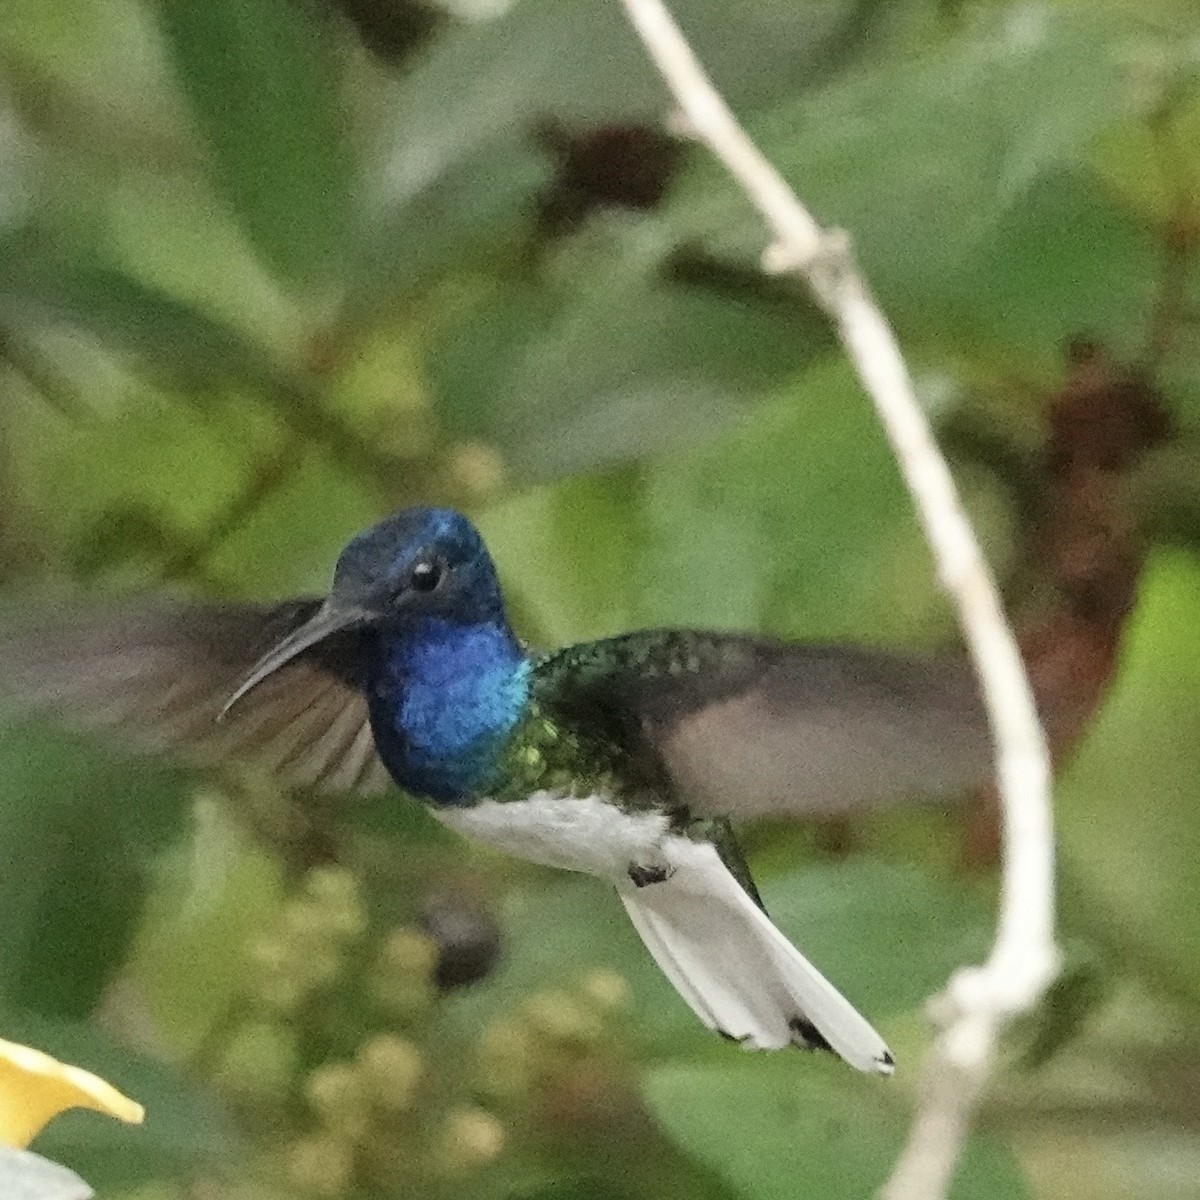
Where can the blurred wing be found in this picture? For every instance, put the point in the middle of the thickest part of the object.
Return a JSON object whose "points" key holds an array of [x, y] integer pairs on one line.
{"points": [[751, 727], [159, 674]]}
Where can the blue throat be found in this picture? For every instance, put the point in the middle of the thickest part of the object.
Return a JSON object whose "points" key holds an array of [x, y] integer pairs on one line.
{"points": [[444, 698]]}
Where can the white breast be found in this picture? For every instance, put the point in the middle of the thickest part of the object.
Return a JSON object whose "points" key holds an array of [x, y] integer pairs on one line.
{"points": [[574, 833]]}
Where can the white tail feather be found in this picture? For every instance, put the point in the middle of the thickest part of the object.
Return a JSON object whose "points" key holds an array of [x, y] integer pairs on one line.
{"points": [[736, 971]]}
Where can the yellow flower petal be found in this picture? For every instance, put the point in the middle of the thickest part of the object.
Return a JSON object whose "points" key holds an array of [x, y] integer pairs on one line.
{"points": [[35, 1087]]}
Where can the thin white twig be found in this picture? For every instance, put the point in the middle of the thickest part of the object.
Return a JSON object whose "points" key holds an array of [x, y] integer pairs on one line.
{"points": [[977, 1001]]}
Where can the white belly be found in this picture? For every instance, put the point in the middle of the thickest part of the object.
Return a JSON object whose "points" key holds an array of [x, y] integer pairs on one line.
{"points": [[573, 833]]}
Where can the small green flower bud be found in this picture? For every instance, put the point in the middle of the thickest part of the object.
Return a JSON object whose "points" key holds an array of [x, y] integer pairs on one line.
{"points": [[335, 893], [390, 1068], [280, 995], [410, 952], [605, 988], [559, 1017], [304, 924], [269, 955], [296, 958], [470, 1138], [477, 468], [321, 1165], [336, 1092], [259, 1060], [402, 981], [507, 1058]]}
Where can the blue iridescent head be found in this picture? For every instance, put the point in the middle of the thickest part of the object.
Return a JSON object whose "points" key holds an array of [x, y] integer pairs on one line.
{"points": [[445, 679], [419, 572], [418, 563]]}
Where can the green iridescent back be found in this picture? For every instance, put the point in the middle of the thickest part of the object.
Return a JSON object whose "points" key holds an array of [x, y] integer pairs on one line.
{"points": [[547, 754], [578, 735]]}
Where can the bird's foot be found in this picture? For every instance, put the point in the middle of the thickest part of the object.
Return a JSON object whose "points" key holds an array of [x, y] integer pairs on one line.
{"points": [[644, 876]]}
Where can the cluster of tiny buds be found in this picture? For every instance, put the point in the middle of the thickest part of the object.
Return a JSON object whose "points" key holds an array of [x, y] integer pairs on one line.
{"points": [[549, 1033], [372, 1118], [304, 951], [388, 1114]]}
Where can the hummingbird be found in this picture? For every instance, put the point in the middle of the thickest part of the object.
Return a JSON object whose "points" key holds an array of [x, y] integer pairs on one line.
{"points": [[626, 758]]}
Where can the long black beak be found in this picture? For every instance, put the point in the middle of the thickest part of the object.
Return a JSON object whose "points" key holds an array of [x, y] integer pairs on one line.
{"points": [[330, 618]]}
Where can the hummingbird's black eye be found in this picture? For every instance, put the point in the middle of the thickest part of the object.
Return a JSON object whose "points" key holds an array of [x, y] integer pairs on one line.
{"points": [[426, 575]]}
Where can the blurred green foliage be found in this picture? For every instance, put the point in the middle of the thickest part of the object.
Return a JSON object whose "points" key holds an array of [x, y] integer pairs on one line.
{"points": [[270, 268]]}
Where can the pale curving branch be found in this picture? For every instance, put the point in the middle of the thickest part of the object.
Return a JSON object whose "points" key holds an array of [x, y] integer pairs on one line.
{"points": [[1024, 958]]}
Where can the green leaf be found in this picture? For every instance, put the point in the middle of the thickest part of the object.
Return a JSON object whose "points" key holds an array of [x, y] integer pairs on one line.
{"points": [[80, 824], [665, 361], [581, 64], [568, 555], [922, 160], [298, 530], [459, 158], [691, 527], [212, 894], [803, 512], [1126, 809], [1145, 162], [1039, 281], [151, 470], [832, 912], [262, 80], [412, 241], [40, 284], [779, 1127]]}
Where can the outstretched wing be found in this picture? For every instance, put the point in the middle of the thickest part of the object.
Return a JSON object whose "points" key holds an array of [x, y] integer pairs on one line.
{"points": [[159, 674], [747, 726]]}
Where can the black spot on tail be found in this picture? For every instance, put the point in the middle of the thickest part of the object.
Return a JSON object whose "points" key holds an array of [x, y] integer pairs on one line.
{"points": [[808, 1035]]}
